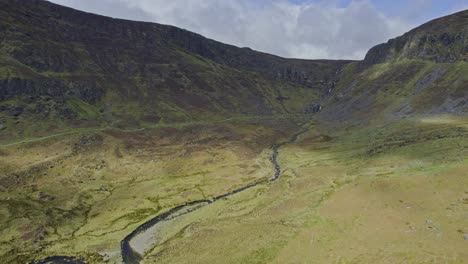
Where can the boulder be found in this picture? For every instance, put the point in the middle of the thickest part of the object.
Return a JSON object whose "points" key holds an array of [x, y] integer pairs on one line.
{"points": [[313, 109], [15, 111]]}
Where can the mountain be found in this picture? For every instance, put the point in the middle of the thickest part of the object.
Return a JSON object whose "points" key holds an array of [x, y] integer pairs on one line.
{"points": [[422, 72], [65, 67], [442, 40]]}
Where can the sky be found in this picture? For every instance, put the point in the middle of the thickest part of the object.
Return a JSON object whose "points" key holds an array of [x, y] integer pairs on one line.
{"points": [[308, 29]]}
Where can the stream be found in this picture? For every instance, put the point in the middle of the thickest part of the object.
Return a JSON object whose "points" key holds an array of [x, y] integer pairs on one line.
{"points": [[143, 233]]}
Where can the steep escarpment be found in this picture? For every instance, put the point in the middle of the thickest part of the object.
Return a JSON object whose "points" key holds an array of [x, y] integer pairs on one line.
{"points": [[443, 40], [62, 64], [422, 72]]}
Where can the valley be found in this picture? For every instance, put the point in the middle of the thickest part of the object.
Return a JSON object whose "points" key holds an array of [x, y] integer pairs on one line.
{"points": [[325, 176], [134, 142]]}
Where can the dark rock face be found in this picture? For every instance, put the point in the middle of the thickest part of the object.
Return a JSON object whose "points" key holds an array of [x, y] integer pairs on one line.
{"points": [[63, 53], [67, 114], [442, 48], [2, 127], [14, 111], [313, 109], [17, 86], [443, 40], [84, 90], [304, 72], [429, 79]]}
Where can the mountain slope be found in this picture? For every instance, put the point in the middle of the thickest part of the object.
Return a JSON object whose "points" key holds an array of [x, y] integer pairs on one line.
{"points": [[441, 40], [66, 66], [422, 72]]}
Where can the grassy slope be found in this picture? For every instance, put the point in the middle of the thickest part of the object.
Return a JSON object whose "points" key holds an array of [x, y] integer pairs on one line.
{"points": [[165, 108], [394, 90], [81, 194], [84, 70], [356, 195]]}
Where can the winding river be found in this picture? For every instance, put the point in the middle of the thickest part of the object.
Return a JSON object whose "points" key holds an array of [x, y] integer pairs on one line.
{"points": [[131, 255]]}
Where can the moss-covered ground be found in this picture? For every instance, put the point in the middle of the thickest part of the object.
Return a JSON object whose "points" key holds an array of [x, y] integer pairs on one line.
{"points": [[389, 192], [82, 193], [393, 193]]}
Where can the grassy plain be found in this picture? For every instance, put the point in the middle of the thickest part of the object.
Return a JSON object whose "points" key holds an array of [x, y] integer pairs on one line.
{"points": [[387, 192], [393, 193], [81, 194]]}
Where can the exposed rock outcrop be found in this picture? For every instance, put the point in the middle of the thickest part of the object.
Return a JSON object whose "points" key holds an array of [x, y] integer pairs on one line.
{"points": [[441, 40], [313, 109]]}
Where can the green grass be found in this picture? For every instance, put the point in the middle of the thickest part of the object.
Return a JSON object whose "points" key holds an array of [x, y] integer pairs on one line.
{"points": [[83, 109], [89, 203], [11, 68], [328, 172], [380, 186]]}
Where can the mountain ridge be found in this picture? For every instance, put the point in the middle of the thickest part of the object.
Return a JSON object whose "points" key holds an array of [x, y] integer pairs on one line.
{"points": [[93, 66], [433, 40], [68, 67]]}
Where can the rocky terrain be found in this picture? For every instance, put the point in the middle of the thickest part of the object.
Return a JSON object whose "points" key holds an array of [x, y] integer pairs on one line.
{"points": [[441, 40]]}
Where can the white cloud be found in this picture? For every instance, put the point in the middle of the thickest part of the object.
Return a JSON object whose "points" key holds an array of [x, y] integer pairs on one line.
{"points": [[312, 31]]}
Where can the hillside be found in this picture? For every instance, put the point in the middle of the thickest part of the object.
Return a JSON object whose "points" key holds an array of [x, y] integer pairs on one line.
{"points": [[423, 72], [67, 67], [441, 40]]}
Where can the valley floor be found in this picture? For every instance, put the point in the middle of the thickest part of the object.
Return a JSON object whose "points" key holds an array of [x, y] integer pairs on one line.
{"points": [[388, 192]]}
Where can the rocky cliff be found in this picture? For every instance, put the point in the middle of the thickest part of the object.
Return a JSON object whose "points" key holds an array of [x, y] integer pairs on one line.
{"points": [[425, 71], [441, 40]]}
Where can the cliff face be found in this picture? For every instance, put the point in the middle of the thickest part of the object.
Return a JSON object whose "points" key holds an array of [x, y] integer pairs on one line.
{"points": [[112, 70], [305, 72], [425, 71], [441, 40]]}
